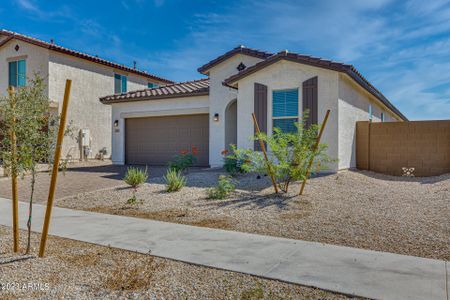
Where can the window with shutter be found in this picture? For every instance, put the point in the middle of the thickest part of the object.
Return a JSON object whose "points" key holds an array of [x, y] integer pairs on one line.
{"points": [[285, 109], [120, 84], [17, 73]]}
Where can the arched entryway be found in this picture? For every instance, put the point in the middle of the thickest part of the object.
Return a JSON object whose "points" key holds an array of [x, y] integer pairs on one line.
{"points": [[231, 124]]}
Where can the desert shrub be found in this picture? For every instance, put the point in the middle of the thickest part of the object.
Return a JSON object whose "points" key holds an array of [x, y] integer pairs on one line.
{"points": [[175, 181], [134, 178], [289, 154], [223, 188], [181, 162], [233, 161]]}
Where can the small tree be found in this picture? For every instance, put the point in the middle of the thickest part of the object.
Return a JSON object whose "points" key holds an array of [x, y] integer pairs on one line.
{"points": [[135, 177], [289, 154], [29, 108]]}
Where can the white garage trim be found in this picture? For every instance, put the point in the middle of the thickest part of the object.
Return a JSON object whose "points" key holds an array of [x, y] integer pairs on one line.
{"points": [[159, 113]]}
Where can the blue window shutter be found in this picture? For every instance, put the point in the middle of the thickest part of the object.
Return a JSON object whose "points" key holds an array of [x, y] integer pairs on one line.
{"points": [[124, 84], [152, 85], [370, 112], [12, 73], [117, 84], [21, 73]]}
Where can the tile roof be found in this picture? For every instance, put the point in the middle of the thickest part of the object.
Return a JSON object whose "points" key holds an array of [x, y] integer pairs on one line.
{"points": [[13, 35], [239, 49], [348, 69], [181, 89]]}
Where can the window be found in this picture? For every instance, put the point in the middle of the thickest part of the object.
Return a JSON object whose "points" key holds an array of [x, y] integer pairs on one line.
{"points": [[370, 112], [120, 83], [285, 109], [382, 117], [152, 85], [17, 73]]}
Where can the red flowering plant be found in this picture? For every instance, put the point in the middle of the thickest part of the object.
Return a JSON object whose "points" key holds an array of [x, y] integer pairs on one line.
{"points": [[185, 159]]}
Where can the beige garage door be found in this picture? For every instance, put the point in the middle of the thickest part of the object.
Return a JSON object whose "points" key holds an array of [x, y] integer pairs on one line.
{"points": [[156, 140]]}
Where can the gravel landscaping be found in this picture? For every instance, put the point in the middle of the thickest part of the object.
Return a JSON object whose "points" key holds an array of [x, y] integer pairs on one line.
{"points": [[358, 209], [76, 270]]}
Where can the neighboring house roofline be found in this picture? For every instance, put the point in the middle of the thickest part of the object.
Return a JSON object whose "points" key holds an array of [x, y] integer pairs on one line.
{"points": [[316, 62], [13, 35], [238, 50], [192, 88]]}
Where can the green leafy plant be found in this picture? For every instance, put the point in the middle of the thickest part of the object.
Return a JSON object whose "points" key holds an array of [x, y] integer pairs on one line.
{"points": [[175, 181], [289, 154], [223, 188], [26, 113], [233, 161], [134, 178], [181, 162]]}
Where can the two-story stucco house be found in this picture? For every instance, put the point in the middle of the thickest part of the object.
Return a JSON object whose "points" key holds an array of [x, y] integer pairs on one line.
{"points": [[92, 77], [152, 125]]}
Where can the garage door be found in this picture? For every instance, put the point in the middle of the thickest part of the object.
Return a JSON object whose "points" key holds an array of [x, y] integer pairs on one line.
{"points": [[156, 140]]}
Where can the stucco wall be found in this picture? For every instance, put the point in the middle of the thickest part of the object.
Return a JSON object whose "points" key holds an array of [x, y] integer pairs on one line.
{"points": [[36, 61], [174, 106], [289, 75], [220, 97], [354, 106], [89, 82]]}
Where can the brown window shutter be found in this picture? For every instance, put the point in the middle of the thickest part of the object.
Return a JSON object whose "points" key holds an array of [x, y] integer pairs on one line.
{"points": [[310, 100], [260, 109]]}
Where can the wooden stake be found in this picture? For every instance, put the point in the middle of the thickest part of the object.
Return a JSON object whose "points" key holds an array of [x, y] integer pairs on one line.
{"points": [[51, 193], [316, 145], [15, 198], [263, 148]]}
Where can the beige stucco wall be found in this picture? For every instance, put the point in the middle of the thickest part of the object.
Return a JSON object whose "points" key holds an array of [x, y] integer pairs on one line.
{"points": [[149, 108], [90, 81], [289, 75], [36, 61], [353, 106], [220, 97]]}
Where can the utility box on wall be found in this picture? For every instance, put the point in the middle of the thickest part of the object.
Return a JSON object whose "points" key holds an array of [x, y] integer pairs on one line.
{"points": [[85, 135], [392, 147]]}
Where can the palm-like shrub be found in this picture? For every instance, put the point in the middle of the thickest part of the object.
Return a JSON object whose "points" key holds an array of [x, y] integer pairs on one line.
{"points": [[134, 178], [223, 188], [175, 181]]}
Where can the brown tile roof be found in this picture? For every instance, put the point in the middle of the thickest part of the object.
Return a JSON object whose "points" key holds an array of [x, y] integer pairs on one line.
{"points": [[316, 62], [181, 89], [13, 35], [239, 49]]}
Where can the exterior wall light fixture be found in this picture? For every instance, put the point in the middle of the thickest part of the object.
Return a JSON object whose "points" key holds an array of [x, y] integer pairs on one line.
{"points": [[216, 117], [116, 123]]}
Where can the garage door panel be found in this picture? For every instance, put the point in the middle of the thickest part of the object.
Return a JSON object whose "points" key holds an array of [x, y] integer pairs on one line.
{"points": [[156, 140]]}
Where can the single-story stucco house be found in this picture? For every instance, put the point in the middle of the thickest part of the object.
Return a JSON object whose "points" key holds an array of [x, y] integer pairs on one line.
{"points": [[150, 126], [92, 77]]}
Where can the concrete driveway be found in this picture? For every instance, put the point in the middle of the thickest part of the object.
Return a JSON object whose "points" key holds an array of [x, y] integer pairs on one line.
{"points": [[80, 178]]}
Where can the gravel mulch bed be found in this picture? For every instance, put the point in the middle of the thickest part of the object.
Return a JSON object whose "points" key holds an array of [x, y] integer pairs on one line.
{"points": [[357, 209], [76, 270]]}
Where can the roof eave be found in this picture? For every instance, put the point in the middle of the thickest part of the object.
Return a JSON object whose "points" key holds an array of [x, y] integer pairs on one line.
{"points": [[149, 98]]}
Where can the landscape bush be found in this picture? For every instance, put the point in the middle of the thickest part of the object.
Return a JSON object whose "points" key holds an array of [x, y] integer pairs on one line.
{"points": [[181, 162], [134, 178], [233, 161], [289, 154], [175, 181], [223, 188]]}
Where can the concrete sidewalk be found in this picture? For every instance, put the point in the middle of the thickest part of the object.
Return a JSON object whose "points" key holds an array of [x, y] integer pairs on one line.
{"points": [[341, 269]]}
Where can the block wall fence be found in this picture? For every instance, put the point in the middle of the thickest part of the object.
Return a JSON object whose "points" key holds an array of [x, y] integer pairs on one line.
{"points": [[388, 147]]}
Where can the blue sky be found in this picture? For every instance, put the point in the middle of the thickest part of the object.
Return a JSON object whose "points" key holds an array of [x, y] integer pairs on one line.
{"points": [[402, 47]]}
